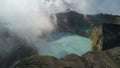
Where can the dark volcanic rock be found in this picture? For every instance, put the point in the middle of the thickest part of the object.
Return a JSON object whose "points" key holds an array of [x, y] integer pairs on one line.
{"points": [[72, 61], [38, 62], [106, 36], [74, 22], [99, 19], [71, 22], [99, 60], [114, 54], [92, 59], [70, 19], [74, 19]]}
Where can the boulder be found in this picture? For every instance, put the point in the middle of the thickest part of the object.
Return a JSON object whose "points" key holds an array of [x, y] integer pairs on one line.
{"points": [[71, 61]]}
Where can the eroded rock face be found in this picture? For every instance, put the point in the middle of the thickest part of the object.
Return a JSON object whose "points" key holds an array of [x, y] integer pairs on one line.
{"points": [[106, 36], [99, 60], [38, 62], [71, 22], [74, 22], [71, 61], [114, 54], [92, 59]]}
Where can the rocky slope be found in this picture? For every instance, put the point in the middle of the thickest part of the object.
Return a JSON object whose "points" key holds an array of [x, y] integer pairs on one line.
{"points": [[105, 59], [106, 36]]}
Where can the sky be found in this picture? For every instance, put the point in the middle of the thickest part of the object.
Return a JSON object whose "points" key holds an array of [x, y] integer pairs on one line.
{"points": [[95, 6], [107, 6]]}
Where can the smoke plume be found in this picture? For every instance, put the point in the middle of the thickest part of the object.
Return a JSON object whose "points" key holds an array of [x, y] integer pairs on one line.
{"points": [[29, 19]]}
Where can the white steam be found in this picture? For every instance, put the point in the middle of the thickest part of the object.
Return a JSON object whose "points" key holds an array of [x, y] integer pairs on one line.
{"points": [[30, 18], [25, 17]]}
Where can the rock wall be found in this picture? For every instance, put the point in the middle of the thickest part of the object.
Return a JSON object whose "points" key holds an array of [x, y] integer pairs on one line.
{"points": [[92, 59], [105, 37], [74, 22]]}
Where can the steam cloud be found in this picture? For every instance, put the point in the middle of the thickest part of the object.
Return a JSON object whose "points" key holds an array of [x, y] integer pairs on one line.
{"points": [[30, 18]]}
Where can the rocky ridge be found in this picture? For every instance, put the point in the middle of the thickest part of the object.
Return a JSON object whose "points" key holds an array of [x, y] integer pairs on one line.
{"points": [[105, 59], [74, 22], [105, 37]]}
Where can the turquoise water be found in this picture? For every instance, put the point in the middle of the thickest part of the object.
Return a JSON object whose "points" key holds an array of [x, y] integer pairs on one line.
{"points": [[62, 44]]}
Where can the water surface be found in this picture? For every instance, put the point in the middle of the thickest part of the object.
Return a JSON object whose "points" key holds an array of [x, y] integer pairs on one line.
{"points": [[62, 44]]}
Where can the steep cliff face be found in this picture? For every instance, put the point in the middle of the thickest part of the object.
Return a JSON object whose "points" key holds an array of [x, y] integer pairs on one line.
{"points": [[105, 59], [71, 22], [106, 36], [81, 24], [97, 39], [72, 18], [98, 19]]}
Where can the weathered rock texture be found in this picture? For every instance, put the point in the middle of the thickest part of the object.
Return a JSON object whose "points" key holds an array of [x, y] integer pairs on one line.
{"points": [[106, 36], [74, 22], [71, 22], [38, 62], [105, 59]]}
